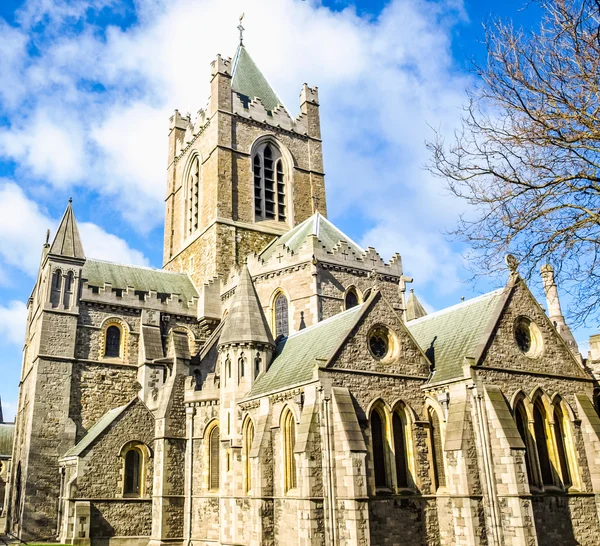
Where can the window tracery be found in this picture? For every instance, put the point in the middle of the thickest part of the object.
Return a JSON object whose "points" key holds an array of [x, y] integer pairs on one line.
{"points": [[281, 315]]}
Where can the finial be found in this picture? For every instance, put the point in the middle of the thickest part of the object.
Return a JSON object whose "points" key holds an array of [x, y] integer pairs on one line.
{"points": [[512, 263], [47, 237], [241, 29]]}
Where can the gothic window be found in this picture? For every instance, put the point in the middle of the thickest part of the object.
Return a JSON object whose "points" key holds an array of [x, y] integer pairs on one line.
{"points": [[541, 442], [523, 428], [214, 446], [242, 365], [269, 184], [193, 196], [248, 439], [281, 316], [56, 288], [112, 348], [437, 452], [561, 446], [378, 440], [257, 363], [400, 451], [351, 299], [133, 473], [289, 442], [68, 292]]}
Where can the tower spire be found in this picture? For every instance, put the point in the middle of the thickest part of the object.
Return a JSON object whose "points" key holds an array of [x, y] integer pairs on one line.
{"points": [[67, 242]]}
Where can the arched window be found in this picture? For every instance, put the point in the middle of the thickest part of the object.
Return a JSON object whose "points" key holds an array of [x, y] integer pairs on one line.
{"points": [[351, 299], [523, 428], [193, 196], [269, 184], [214, 449], [289, 443], [112, 347], [197, 380], [561, 446], [378, 440], [133, 473], [55, 289], [242, 366], [68, 292], [541, 442], [248, 439], [437, 452], [281, 316], [257, 363], [400, 450]]}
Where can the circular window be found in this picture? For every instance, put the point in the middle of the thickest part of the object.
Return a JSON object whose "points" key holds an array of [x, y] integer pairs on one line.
{"points": [[528, 337], [381, 342]]}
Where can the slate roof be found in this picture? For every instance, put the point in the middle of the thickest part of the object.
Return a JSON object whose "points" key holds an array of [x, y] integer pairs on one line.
{"points": [[99, 427], [246, 321], [67, 241], [248, 81], [98, 272], [7, 433], [328, 234], [296, 356], [449, 335]]}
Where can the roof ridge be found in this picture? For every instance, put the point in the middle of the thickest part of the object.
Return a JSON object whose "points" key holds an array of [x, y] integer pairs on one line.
{"points": [[146, 267], [456, 306], [348, 239]]}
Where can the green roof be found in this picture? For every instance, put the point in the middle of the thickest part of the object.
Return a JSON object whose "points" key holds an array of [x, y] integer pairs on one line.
{"points": [[297, 356], [449, 335], [99, 427], [248, 81], [7, 432], [317, 225], [146, 279]]}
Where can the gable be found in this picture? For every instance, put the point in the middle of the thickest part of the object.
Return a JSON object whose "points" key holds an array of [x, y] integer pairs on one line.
{"points": [[502, 351], [406, 357]]}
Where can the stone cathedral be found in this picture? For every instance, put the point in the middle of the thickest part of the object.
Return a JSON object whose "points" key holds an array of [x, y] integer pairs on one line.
{"points": [[275, 384]]}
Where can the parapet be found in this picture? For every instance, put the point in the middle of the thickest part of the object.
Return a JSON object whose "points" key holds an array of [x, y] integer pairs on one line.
{"points": [[220, 66], [309, 94]]}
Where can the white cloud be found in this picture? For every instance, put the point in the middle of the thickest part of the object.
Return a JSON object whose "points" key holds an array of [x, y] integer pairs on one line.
{"points": [[12, 322], [23, 224]]}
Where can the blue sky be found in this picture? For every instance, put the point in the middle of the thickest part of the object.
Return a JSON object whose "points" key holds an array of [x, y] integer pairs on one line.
{"points": [[86, 88]]}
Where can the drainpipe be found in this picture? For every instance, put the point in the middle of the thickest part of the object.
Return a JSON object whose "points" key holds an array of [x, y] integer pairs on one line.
{"points": [[482, 425], [191, 411], [329, 467]]}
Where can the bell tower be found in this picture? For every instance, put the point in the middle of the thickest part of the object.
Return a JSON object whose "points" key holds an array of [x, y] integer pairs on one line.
{"points": [[240, 174]]}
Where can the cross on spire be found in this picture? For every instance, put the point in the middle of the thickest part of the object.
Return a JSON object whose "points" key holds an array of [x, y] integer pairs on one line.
{"points": [[241, 29]]}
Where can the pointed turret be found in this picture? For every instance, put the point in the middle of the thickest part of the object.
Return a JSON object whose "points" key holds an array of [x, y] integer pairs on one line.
{"points": [[67, 242], [249, 82], [246, 321], [414, 309]]}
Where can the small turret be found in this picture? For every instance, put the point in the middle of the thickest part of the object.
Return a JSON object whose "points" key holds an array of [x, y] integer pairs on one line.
{"points": [[554, 310], [414, 309], [67, 243]]}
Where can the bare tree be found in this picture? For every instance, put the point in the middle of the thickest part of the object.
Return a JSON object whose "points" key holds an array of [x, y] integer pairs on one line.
{"points": [[527, 156]]}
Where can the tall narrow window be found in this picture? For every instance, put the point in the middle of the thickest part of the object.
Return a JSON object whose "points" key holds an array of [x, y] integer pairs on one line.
{"points": [[112, 348], [133, 473], [400, 451], [193, 196], [257, 363], [351, 299], [289, 442], [214, 448], [68, 292], [55, 289], [378, 438], [281, 316], [269, 184], [437, 453], [242, 366], [541, 441], [248, 439], [561, 445], [523, 428]]}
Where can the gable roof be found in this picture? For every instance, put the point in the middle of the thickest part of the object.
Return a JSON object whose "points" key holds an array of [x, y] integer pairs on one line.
{"points": [[97, 429], [247, 80], [146, 279], [450, 335], [246, 321], [67, 242], [297, 356], [317, 225]]}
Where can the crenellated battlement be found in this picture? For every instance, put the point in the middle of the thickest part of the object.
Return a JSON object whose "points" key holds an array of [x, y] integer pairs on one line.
{"points": [[221, 66], [279, 117]]}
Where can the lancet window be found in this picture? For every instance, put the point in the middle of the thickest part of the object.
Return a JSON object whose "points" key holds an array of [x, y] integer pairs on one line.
{"points": [[193, 196], [214, 447], [289, 443], [269, 184], [281, 316]]}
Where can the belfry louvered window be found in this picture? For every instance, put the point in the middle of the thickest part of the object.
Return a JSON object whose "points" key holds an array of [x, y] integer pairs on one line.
{"points": [[269, 184], [193, 196]]}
